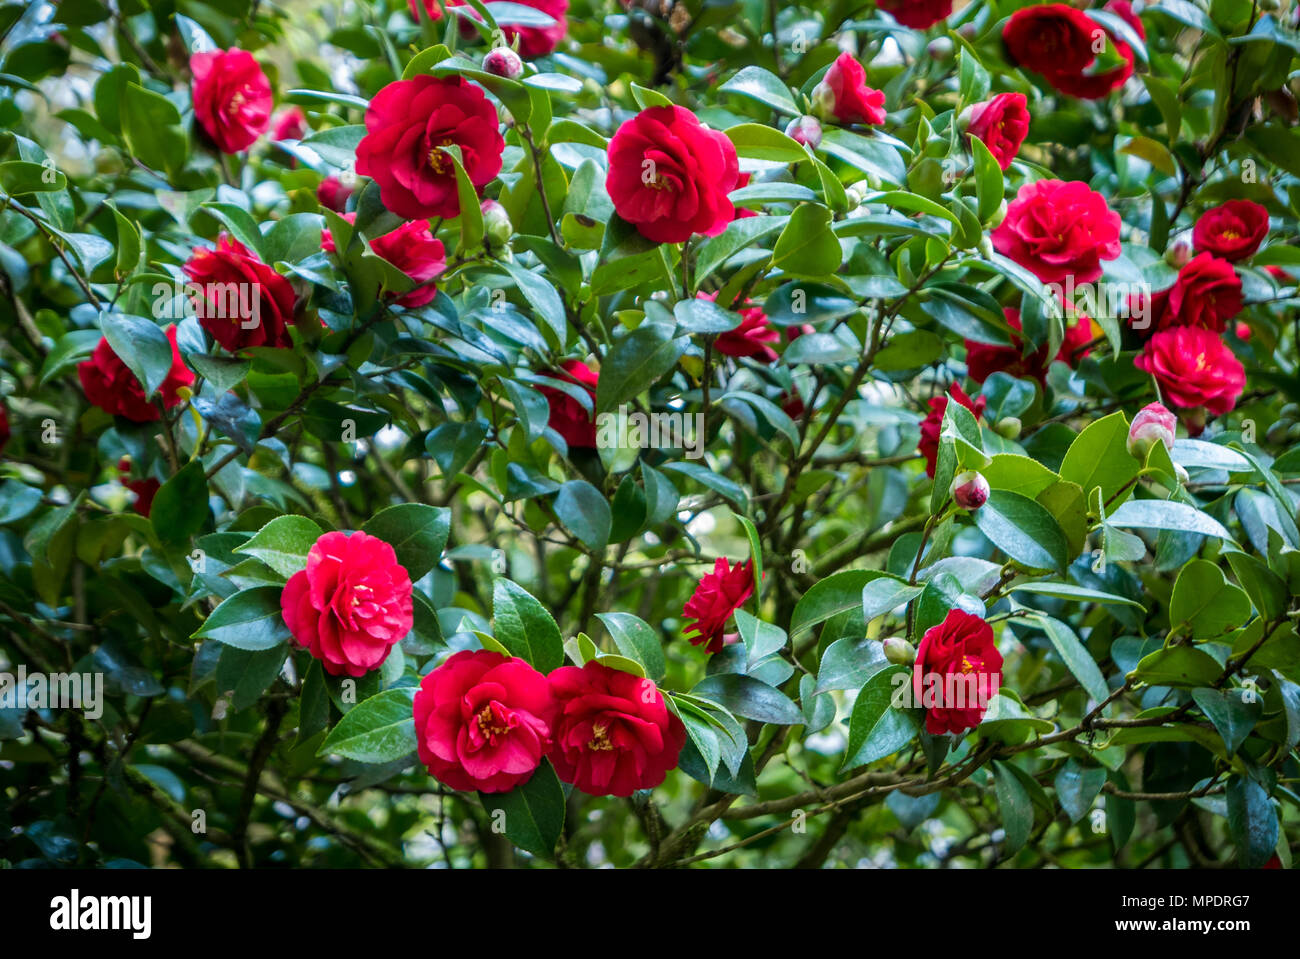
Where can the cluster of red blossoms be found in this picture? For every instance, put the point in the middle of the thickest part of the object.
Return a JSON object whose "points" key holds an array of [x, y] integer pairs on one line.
{"points": [[485, 721], [1185, 352]]}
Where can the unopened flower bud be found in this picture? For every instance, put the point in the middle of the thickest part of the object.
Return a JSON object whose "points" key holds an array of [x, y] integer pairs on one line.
{"points": [[503, 62], [998, 216], [806, 131], [899, 651], [940, 49], [1181, 473], [1008, 427], [1179, 253], [823, 101], [496, 222], [970, 490], [1154, 423]]}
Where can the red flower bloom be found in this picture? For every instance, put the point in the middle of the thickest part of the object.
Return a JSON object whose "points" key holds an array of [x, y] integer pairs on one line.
{"points": [[718, 595], [1232, 230], [240, 300], [1002, 124], [4, 426], [985, 359], [568, 417], [414, 250], [350, 605], [1206, 293], [333, 194], [669, 176], [917, 14], [1193, 368], [144, 489], [483, 721], [1057, 229], [843, 94], [408, 123], [958, 670], [533, 41], [933, 422], [614, 734], [430, 7], [232, 98], [1057, 40], [114, 389], [751, 337], [290, 125]]}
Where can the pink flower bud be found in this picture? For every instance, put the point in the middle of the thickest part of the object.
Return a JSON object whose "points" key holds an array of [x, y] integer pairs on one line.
{"points": [[1179, 253], [970, 490], [1242, 330], [333, 193], [1154, 423], [806, 131], [503, 62], [899, 651]]}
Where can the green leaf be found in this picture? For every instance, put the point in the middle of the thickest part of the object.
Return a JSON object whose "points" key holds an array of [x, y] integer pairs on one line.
{"points": [[760, 142], [1267, 591], [763, 86], [533, 814], [761, 639], [1015, 806], [807, 246], [1206, 602], [250, 620], [1024, 530], [1075, 656], [887, 593], [525, 627], [1252, 821], [180, 507], [416, 532], [314, 704], [142, 346], [635, 362], [151, 125], [1178, 666], [283, 543], [543, 298], [19, 178], [380, 729], [751, 698], [1079, 594], [988, 179], [1234, 713], [1166, 514], [1099, 457], [248, 673], [835, 594], [755, 550], [585, 512], [637, 641], [874, 719], [1077, 787]]}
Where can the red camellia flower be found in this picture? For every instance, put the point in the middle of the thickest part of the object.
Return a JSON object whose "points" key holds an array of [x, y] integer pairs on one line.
{"points": [[232, 98], [1002, 124], [843, 94], [614, 734], [350, 605], [1057, 228], [751, 337], [958, 670], [1193, 368], [669, 175], [4, 426], [290, 125], [430, 7], [917, 14], [569, 418], [114, 389], [533, 41], [1057, 41], [928, 446], [1207, 293], [144, 489], [408, 123], [718, 595], [333, 193], [985, 359], [239, 299], [414, 250], [483, 721], [1233, 230]]}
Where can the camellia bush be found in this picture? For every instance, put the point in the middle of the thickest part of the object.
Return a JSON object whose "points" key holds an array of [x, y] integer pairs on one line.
{"points": [[572, 433]]}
